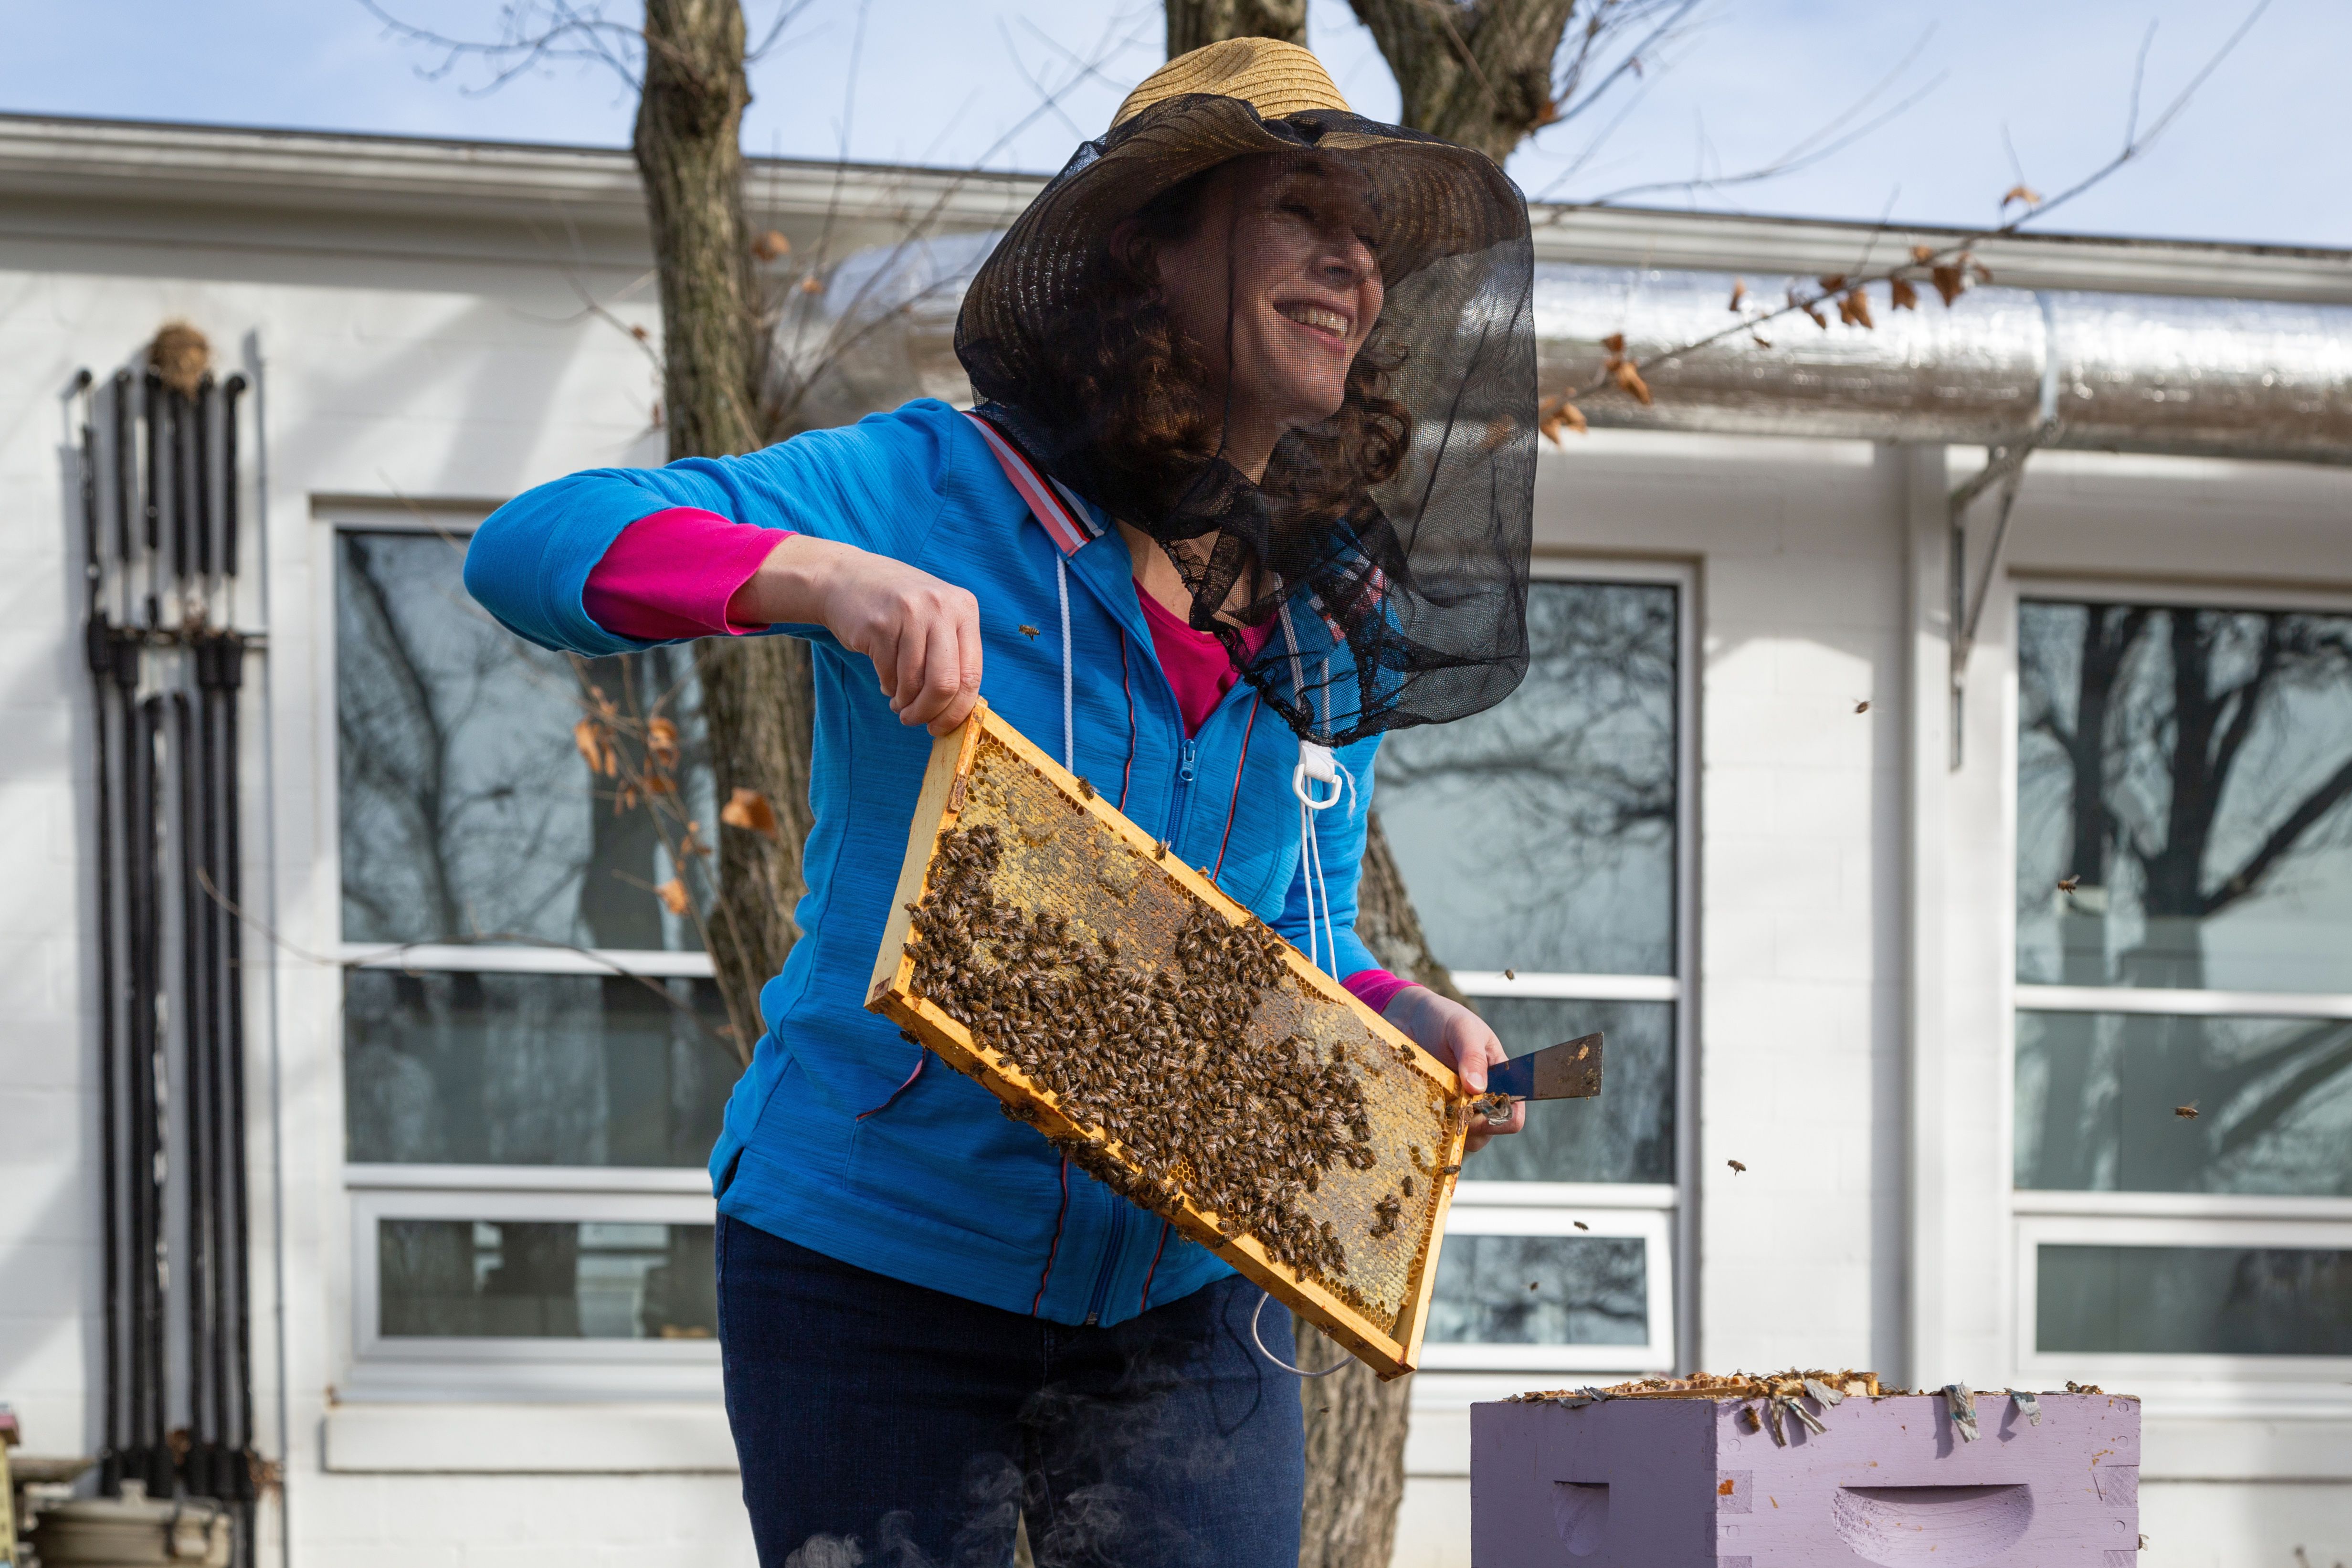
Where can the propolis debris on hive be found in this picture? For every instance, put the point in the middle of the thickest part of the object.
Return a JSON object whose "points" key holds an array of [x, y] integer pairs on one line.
{"points": [[1173, 1045]]}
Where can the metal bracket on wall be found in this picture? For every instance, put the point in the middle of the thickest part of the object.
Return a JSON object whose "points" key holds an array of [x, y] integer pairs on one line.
{"points": [[2004, 467]]}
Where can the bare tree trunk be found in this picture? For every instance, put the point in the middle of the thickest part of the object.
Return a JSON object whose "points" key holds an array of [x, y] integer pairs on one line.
{"points": [[755, 691], [1192, 22], [1478, 74], [1355, 1423]]}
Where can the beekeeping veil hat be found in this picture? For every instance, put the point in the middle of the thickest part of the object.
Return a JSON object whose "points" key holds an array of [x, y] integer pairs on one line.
{"points": [[1374, 576]]}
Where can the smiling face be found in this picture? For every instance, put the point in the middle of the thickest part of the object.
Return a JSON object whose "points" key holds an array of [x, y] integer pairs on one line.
{"points": [[1294, 235]]}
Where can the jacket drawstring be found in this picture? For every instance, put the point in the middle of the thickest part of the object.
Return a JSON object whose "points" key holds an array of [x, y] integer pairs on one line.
{"points": [[1316, 765], [1069, 708]]}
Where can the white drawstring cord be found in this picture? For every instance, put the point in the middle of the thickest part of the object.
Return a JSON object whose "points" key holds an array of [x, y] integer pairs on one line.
{"points": [[1316, 765], [1277, 1361], [1069, 719]]}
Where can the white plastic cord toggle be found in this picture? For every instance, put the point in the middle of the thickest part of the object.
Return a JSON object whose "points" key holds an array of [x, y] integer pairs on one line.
{"points": [[1317, 764]]}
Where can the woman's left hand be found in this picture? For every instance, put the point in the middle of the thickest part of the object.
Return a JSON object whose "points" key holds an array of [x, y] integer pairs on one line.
{"points": [[1460, 1039]]}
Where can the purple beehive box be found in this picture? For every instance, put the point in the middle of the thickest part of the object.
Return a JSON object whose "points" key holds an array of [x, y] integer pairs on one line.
{"points": [[1682, 1482]]}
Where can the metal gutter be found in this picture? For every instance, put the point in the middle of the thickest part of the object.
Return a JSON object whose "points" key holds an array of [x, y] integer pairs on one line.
{"points": [[101, 161]]}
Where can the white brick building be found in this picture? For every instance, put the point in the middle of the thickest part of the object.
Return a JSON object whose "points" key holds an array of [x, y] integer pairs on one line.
{"points": [[1820, 950]]}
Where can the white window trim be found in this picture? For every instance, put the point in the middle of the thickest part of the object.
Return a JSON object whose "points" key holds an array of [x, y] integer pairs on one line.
{"points": [[525, 958], [2215, 1385], [2184, 1004], [1661, 1213], [1499, 984]]}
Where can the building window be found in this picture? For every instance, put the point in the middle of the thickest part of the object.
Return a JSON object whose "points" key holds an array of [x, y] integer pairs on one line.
{"points": [[535, 1057], [1544, 842], [2184, 963]]}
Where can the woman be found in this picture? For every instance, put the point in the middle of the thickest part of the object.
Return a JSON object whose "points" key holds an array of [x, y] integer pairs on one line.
{"points": [[1257, 440]]}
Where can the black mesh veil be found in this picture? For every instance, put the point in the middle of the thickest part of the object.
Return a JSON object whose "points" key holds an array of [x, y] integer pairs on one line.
{"points": [[1365, 565]]}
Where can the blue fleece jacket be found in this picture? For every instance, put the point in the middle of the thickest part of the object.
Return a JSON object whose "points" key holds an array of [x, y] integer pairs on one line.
{"points": [[842, 1136]]}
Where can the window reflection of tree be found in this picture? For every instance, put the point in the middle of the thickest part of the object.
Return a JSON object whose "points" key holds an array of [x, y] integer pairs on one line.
{"points": [[466, 809], [1567, 786], [1585, 1290], [468, 812], [2273, 1098], [2174, 765]]}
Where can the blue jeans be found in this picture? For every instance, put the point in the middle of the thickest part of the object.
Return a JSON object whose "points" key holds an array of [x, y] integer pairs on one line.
{"points": [[920, 1424]]}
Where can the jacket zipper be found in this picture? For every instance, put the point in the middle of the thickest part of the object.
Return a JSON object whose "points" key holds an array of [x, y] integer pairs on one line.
{"points": [[1185, 760], [1110, 1259]]}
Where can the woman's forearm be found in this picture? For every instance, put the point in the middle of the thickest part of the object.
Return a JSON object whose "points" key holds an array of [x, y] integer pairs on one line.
{"points": [[923, 634], [790, 586]]}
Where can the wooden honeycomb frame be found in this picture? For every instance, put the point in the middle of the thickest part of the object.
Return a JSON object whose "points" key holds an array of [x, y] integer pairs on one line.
{"points": [[1389, 1347]]}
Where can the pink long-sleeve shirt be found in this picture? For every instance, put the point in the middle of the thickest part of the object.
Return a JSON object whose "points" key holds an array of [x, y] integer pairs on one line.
{"points": [[675, 573]]}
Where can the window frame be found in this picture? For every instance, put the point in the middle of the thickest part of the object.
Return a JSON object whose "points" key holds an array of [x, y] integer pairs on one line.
{"points": [[1550, 1209], [1660, 1213], [1652, 1225], [528, 1370], [370, 1207], [2035, 1216]]}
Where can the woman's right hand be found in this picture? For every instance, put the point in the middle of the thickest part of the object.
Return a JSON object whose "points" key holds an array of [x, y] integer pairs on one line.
{"points": [[923, 634]]}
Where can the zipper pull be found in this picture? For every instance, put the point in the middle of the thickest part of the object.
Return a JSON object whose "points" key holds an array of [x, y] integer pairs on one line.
{"points": [[1185, 765]]}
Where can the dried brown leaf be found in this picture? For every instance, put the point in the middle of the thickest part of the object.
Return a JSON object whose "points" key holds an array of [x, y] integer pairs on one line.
{"points": [[673, 897], [812, 284], [1854, 310], [1902, 294], [1950, 282], [1615, 343], [772, 246], [748, 809], [1923, 253], [2020, 193], [1623, 374], [661, 741], [595, 745], [1832, 283], [1560, 414], [1739, 293]]}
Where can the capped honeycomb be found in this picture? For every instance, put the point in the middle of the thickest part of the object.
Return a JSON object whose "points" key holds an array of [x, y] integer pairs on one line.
{"points": [[1170, 1042]]}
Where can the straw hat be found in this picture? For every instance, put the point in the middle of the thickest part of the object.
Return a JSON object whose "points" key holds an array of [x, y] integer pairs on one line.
{"points": [[1223, 101], [1275, 77]]}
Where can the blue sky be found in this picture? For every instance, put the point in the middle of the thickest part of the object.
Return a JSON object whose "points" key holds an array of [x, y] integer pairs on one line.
{"points": [[2040, 87]]}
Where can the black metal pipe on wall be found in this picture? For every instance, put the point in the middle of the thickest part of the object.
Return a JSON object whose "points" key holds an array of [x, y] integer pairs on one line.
{"points": [[166, 663]]}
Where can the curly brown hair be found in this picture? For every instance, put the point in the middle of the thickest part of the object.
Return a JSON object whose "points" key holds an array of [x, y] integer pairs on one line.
{"points": [[1135, 403]]}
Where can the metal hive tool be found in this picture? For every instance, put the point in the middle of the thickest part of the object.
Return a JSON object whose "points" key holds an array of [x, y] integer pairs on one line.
{"points": [[1023, 889]]}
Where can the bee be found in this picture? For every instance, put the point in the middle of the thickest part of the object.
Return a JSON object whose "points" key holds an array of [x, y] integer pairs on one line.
{"points": [[2185, 1113], [1736, 1166]]}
